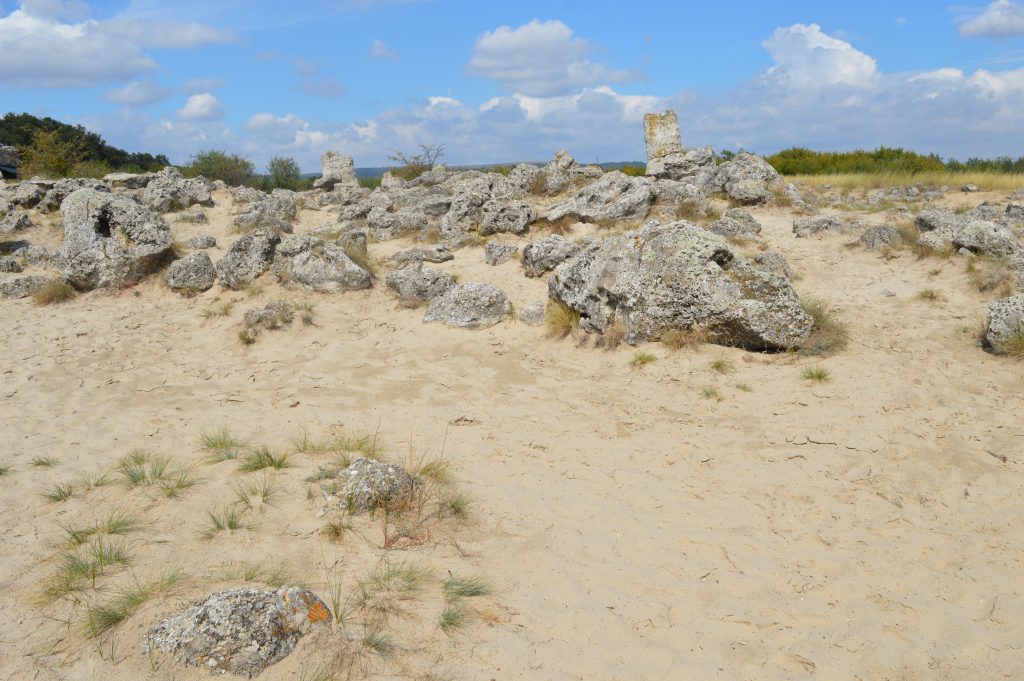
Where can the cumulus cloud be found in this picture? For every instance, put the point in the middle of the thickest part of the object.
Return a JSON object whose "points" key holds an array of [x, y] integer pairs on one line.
{"points": [[137, 93], [805, 57], [41, 47], [541, 59], [201, 107], [1001, 19], [380, 50]]}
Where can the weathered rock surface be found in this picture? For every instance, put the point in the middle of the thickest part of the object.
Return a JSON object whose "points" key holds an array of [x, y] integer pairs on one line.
{"points": [[337, 169], [416, 284], [238, 631], [615, 196], [1004, 329], [533, 314], [470, 306], [168, 190], [201, 241], [545, 254], [61, 189], [977, 236], [368, 484], [507, 217], [747, 178], [194, 272], [273, 315], [881, 238], [774, 262], [128, 180], [496, 252], [22, 287], [192, 217], [385, 226], [319, 265], [435, 253], [817, 224], [15, 221], [109, 240], [10, 264], [25, 194], [677, 276], [736, 223], [661, 136], [561, 173], [281, 206], [249, 257]]}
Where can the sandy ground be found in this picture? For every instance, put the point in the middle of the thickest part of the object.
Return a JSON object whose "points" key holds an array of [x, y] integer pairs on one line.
{"points": [[871, 527]]}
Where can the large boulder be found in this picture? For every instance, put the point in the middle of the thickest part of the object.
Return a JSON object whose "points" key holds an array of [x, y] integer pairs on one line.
{"points": [[282, 206], [15, 221], [194, 272], [384, 225], [978, 236], [496, 252], [508, 217], [128, 180], [22, 287], [61, 189], [109, 240], [248, 258], [561, 173], [416, 284], [25, 194], [546, 254], [679, 276], [817, 224], [736, 223], [747, 178], [1004, 329], [470, 306], [521, 179], [238, 631], [615, 196], [319, 265], [881, 238], [168, 190], [775, 263], [336, 169], [662, 138]]}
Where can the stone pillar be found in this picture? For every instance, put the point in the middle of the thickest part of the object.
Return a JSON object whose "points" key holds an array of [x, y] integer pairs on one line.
{"points": [[337, 169], [661, 134]]}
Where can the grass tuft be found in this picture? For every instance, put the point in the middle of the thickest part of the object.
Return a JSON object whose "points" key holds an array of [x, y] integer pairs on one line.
{"points": [[59, 493], [991, 275], [930, 295], [263, 457], [229, 519], [817, 374], [561, 320], [710, 393], [43, 461], [385, 591], [337, 530], [685, 339], [220, 445], [828, 333], [221, 310], [723, 365], [641, 359], [52, 292], [465, 587]]}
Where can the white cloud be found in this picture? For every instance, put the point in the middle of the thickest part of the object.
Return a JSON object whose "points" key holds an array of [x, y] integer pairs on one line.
{"points": [[380, 50], [540, 59], [1001, 19], [201, 107], [40, 49], [805, 57], [137, 93]]}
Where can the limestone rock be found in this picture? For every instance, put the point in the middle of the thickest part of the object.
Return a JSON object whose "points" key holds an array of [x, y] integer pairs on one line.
{"points": [[679, 276], [533, 314], [109, 240], [385, 226], [661, 135], [238, 631], [128, 180], [15, 221], [545, 254], [496, 252], [508, 217], [336, 169], [22, 287], [436, 253], [319, 265], [168, 190], [775, 263], [881, 238], [61, 189], [249, 257], [747, 178], [1004, 328], [368, 484], [615, 196], [817, 224], [10, 265], [416, 284], [280, 207], [470, 306], [273, 315], [194, 272], [201, 241]]}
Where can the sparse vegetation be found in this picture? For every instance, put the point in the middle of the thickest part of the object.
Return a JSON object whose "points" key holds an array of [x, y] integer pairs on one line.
{"points": [[256, 493], [59, 493], [220, 445], [930, 295], [642, 359], [723, 365], [991, 276], [686, 339], [817, 374], [43, 461], [100, 618], [220, 310], [561, 320], [385, 592], [52, 292], [337, 530], [711, 393], [828, 333], [229, 519], [263, 457], [613, 336], [306, 311], [411, 166]]}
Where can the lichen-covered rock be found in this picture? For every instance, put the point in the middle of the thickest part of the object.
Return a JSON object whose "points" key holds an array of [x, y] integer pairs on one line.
{"points": [[109, 240], [248, 258], [26, 252], [508, 217], [1004, 329], [929, 220], [201, 241], [1014, 212], [22, 287], [796, 199], [775, 263], [273, 315], [244, 195], [26, 194], [168, 190], [194, 272], [368, 484], [533, 314], [61, 189], [747, 178], [496, 252], [384, 225], [817, 224], [881, 238], [470, 306], [280, 207], [10, 264], [319, 265], [336, 169], [416, 284], [435, 253], [193, 217], [679, 276], [128, 180], [615, 196], [16, 221], [661, 136], [976, 236], [561, 173], [521, 179], [546, 254], [239, 631], [736, 223]]}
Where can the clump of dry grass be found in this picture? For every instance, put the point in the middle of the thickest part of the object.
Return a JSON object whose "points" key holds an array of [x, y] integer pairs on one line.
{"points": [[991, 275], [986, 181], [723, 365], [1014, 345], [930, 295], [612, 337], [561, 320], [686, 339], [52, 292], [220, 310], [691, 210], [641, 359], [828, 333]]}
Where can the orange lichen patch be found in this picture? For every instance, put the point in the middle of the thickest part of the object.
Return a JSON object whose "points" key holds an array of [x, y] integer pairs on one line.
{"points": [[318, 613]]}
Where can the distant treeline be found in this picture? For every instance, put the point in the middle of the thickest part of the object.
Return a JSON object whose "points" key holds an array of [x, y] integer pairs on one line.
{"points": [[40, 139], [802, 161]]}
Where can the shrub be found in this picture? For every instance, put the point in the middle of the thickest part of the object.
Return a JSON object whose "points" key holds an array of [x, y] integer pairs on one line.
{"points": [[52, 292], [232, 169], [284, 173], [50, 155], [412, 166]]}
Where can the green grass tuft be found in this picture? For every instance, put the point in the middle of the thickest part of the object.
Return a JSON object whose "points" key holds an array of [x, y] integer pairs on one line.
{"points": [[642, 359], [263, 457], [817, 374], [828, 333]]}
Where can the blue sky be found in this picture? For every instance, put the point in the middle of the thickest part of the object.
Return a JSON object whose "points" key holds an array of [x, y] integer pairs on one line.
{"points": [[499, 82]]}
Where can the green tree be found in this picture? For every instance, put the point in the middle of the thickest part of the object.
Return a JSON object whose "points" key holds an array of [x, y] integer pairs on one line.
{"points": [[214, 164], [284, 172], [49, 155]]}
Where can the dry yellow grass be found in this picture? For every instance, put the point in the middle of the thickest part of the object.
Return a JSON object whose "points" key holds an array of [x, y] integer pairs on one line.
{"points": [[985, 181]]}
